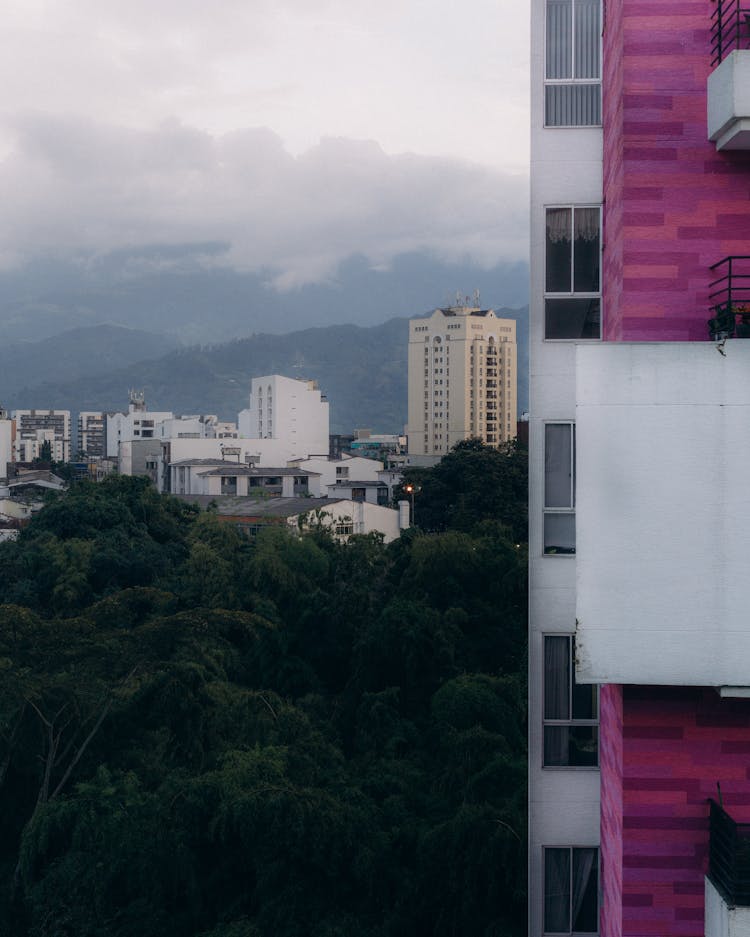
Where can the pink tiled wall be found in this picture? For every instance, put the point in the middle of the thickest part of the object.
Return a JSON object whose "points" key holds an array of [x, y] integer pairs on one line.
{"points": [[672, 205], [610, 763], [676, 744]]}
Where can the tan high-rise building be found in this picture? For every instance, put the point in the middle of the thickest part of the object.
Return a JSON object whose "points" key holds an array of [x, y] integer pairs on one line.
{"points": [[462, 379]]}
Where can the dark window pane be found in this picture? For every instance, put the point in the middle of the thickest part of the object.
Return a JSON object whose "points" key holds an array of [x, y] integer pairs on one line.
{"points": [[578, 105], [584, 898], [571, 746], [586, 250], [557, 891], [572, 318], [584, 701], [559, 39], [559, 250], [559, 533], [556, 677]]}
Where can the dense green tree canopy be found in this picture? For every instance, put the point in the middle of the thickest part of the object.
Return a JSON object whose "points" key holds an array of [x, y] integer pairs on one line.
{"points": [[472, 483], [206, 735]]}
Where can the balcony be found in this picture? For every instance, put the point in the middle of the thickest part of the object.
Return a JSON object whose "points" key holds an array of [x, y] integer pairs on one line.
{"points": [[729, 82], [729, 297], [729, 857]]}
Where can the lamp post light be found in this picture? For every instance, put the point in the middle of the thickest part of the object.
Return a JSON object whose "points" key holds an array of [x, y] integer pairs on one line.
{"points": [[409, 489]]}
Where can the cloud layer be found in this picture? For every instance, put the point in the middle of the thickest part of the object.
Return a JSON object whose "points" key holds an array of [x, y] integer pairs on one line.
{"points": [[74, 186]]}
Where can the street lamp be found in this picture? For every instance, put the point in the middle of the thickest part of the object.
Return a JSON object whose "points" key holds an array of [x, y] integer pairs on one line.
{"points": [[409, 489]]}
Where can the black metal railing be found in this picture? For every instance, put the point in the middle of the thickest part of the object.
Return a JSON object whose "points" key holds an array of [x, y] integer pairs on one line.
{"points": [[730, 28], [729, 298], [729, 856]]}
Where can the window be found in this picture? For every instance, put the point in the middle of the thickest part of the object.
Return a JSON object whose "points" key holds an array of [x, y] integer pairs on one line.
{"points": [[559, 489], [572, 88], [572, 304], [571, 710], [571, 903]]}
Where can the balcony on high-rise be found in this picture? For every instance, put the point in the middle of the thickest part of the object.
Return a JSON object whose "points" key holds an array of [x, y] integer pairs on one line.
{"points": [[729, 82], [727, 900], [729, 298]]}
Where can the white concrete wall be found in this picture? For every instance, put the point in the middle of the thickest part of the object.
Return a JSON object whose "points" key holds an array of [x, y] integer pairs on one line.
{"points": [[6, 446], [663, 513], [293, 411], [720, 919], [729, 102], [270, 452], [566, 169]]}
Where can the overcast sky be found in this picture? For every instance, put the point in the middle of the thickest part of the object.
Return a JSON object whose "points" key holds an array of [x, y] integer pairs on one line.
{"points": [[295, 131]]}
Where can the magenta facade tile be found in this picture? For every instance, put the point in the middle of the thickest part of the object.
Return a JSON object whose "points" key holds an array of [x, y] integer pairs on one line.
{"points": [[663, 827], [667, 192]]}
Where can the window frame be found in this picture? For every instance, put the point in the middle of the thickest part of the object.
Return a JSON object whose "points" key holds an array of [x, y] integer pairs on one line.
{"points": [[572, 293], [572, 81], [570, 932], [570, 722], [557, 510]]}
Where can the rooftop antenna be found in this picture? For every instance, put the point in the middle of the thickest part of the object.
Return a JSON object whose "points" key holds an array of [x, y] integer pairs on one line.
{"points": [[458, 297], [477, 300]]}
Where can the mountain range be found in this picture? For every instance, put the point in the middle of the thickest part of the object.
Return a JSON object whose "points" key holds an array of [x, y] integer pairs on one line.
{"points": [[362, 370]]}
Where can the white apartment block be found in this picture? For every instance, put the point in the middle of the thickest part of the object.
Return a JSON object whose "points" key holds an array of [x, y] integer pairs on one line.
{"points": [[462, 379], [36, 427], [283, 408], [566, 194], [134, 425]]}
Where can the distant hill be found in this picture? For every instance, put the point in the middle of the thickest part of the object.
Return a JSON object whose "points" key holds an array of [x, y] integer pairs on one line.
{"points": [[362, 371], [95, 350]]}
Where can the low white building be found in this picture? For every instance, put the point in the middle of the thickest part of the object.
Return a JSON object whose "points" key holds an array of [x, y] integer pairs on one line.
{"points": [[343, 518], [373, 492], [215, 478], [332, 471]]}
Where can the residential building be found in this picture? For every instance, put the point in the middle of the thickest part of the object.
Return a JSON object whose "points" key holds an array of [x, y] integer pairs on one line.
{"points": [[373, 492], [34, 428], [639, 687], [287, 409], [92, 434], [219, 477], [138, 423], [342, 469], [462, 379], [342, 518]]}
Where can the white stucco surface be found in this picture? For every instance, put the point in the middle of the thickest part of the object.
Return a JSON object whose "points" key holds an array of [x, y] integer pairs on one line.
{"points": [[729, 102], [663, 513], [721, 920]]}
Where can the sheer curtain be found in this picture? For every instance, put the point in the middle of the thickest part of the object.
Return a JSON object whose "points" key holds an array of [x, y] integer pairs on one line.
{"points": [[584, 870], [557, 891]]}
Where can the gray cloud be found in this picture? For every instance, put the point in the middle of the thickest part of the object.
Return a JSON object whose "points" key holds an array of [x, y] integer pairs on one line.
{"points": [[73, 186]]}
